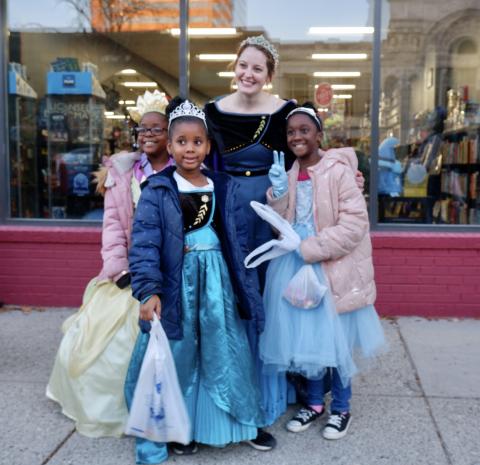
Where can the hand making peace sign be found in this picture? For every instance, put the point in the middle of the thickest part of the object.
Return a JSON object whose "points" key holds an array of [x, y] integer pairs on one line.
{"points": [[277, 174]]}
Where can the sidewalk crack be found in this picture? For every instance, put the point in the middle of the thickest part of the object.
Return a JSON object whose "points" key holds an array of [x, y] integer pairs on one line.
{"points": [[443, 444], [60, 445]]}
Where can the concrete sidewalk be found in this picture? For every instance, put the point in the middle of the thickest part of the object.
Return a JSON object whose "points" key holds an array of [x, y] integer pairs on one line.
{"points": [[419, 405]]}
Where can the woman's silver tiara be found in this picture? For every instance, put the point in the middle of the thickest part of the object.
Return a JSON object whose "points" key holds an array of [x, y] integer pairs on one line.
{"points": [[187, 108], [260, 41]]}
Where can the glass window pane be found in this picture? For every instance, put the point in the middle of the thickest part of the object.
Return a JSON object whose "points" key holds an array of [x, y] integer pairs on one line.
{"points": [[75, 69], [325, 58], [430, 113]]}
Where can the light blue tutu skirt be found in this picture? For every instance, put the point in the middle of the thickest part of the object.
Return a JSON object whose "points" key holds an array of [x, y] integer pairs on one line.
{"points": [[306, 341], [364, 333]]}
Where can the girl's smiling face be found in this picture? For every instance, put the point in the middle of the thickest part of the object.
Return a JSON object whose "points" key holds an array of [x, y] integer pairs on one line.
{"points": [[251, 71], [303, 136], [189, 145], [153, 138]]}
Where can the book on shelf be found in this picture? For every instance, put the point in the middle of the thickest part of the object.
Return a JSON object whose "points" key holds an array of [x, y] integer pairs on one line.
{"points": [[464, 151], [474, 187]]}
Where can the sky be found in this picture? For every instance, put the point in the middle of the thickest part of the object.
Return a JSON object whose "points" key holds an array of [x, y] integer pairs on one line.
{"points": [[290, 22], [292, 18]]}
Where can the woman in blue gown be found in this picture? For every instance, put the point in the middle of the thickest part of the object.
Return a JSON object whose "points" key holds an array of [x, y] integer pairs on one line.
{"points": [[246, 127]]}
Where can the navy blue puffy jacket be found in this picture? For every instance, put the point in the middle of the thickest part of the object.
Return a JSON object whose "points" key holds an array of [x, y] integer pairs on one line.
{"points": [[156, 253]]}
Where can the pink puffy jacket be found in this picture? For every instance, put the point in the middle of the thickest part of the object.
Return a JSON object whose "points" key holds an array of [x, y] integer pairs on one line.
{"points": [[342, 242], [118, 215]]}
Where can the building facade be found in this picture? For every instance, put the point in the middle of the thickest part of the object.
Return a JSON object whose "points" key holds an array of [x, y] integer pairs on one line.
{"points": [[159, 15], [404, 91]]}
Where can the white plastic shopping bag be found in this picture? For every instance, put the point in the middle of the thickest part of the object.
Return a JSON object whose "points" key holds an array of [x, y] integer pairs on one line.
{"points": [[305, 290], [158, 411], [289, 240]]}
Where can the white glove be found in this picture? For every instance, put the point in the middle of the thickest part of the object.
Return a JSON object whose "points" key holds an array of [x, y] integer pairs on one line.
{"points": [[278, 175], [289, 240]]}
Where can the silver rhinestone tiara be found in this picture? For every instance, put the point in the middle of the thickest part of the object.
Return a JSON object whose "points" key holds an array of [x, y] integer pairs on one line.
{"points": [[187, 108], [260, 41]]}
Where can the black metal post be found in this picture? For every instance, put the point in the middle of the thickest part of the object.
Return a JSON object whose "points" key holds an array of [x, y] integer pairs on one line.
{"points": [[184, 51], [4, 175], [374, 111]]}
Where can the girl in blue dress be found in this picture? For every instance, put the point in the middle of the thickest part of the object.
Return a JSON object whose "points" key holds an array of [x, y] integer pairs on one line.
{"points": [[319, 196], [186, 261], [247, 126]]}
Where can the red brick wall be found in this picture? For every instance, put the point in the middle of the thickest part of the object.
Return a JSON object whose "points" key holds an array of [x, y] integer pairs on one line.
{"points": [[47, 266], [425, 274]]}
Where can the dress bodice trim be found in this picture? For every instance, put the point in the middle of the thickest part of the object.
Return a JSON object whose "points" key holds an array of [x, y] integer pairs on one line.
{"points": [[186, 186]]}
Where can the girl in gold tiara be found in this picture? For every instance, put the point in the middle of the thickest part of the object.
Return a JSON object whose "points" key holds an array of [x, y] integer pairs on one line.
{"points": [[91, 363], [188, 245]]}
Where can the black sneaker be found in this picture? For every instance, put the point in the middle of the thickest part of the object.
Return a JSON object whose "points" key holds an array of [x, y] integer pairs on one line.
{"points": [[182, 449], [264, 441], [337, 425], [303, 419]]}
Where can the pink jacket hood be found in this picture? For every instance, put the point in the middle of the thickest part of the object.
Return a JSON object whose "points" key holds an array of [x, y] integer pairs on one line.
{"points": [[344, 155], [118, 214]]}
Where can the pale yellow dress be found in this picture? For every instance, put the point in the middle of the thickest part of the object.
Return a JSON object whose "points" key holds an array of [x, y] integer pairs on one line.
{"points": [[91, 363]]}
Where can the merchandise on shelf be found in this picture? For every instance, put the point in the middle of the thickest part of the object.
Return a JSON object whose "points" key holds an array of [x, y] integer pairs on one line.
{"points": [[22, 108], [73, 119]]}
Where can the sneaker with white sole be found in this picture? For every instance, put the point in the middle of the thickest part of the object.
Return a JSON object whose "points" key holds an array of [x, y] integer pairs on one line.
{"points": [[263, 442], [337, 425], [303, 419], [184, 449]]}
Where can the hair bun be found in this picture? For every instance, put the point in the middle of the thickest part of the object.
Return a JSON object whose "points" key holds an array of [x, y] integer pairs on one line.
{"points": [[174, 103], [309, 104]]}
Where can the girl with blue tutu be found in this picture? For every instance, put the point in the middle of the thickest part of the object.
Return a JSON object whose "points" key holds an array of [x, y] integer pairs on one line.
{"points": [[186, 261], [319, 336]]}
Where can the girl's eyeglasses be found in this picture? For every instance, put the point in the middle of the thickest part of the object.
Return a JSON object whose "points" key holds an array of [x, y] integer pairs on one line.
{"points": [[156, 131]]}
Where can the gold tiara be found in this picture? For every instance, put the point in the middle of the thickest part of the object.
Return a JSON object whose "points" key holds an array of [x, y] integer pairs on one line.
{"points": [[260, 41], [149, 102]]}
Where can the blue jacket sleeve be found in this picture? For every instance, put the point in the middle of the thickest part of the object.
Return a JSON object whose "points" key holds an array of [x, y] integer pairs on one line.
{"points": [[144, 256]]}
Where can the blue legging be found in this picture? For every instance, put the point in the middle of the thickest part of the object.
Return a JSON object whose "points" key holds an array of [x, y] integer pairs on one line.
{"points": [[341, 394]]}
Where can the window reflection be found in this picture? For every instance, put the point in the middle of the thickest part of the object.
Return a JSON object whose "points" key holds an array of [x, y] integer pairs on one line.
{"points": [[75, 69], [430, 112]]}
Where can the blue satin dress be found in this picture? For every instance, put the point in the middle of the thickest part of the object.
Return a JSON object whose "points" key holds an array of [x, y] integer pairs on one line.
{"points": [[214, 363], [244, 144], [274, 387]]}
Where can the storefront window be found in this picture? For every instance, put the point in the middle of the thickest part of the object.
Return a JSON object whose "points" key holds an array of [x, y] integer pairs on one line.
{"points": [[429, 156], [75, 67]]}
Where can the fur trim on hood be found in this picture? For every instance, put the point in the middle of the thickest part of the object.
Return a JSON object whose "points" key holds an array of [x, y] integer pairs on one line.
{"points": [[120, 162]]}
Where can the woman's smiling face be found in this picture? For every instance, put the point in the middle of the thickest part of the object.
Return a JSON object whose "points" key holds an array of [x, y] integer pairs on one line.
{"points": [[251, 72]]}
